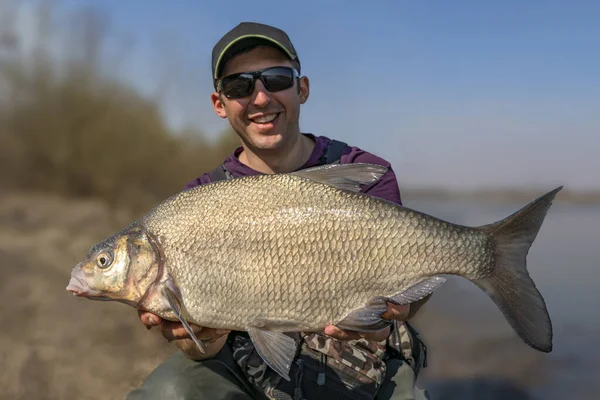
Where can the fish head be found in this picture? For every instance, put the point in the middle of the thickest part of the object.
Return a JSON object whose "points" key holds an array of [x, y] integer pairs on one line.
{"points": [[121, 268]]}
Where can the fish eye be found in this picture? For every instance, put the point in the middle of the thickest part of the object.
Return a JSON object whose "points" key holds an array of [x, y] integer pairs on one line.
{"points": [[104, 260]]}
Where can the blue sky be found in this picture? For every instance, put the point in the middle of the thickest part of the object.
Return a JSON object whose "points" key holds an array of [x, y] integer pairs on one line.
{"points": [[455, 93]]}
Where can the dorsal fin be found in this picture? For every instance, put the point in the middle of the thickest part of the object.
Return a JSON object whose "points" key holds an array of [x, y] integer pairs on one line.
{"points": [[344, 176]]}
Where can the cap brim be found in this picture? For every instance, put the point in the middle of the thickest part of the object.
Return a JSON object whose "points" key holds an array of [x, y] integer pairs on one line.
{"points": [[245, 37]]}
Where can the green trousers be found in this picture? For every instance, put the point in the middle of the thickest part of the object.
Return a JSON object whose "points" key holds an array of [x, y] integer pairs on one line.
{"points": [[180, 378]]}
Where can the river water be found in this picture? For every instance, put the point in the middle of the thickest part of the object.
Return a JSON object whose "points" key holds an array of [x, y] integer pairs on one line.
{"points": [[470, 342]]}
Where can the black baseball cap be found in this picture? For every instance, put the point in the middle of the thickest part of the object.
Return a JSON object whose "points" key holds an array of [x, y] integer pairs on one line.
{"points": [[248, 34]]}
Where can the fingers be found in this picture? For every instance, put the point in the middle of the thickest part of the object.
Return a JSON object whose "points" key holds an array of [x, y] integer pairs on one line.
{"points": [[394, 311], [149, 319], [397, 312], [340, 334], [176, 331]]}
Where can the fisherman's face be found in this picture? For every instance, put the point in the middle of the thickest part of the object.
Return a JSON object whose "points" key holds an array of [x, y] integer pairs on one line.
{"points": [[252, 116]]}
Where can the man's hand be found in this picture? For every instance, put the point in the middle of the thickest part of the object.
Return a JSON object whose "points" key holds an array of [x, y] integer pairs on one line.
{"points": [[394, 311], [214, 339], [397, 312]]}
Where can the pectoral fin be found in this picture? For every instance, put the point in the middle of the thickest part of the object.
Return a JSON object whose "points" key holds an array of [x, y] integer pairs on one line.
{"points": [[275, 348], [173, 296], [368, 318]]}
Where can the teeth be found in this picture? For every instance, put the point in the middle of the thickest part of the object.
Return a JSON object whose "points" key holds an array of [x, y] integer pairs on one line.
{"points": [[265, 119]]}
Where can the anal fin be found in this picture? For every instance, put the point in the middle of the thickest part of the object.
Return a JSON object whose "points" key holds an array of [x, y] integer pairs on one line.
{"points": [[173, 296], [419, 290], [368, 318], [275, 348]]}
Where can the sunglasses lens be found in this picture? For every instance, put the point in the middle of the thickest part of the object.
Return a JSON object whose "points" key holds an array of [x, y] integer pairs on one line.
{"points": [[241, 85], [277, 79], [237, 86]]}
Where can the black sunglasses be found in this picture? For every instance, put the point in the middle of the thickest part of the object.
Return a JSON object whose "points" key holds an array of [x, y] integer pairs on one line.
{"points": [[275, 79]]}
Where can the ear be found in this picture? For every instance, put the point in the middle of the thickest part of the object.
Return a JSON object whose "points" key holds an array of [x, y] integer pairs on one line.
{"points": [[304, 89], [218, 105]]}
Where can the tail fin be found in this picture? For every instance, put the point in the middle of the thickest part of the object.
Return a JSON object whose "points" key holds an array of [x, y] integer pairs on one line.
{"points": [[510, 285]]}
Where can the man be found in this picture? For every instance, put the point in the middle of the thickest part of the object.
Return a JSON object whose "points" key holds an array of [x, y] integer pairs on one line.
{"points": [[259, 89]]}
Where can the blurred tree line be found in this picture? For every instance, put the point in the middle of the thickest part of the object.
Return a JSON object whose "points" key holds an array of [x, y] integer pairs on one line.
{"points": [[70, 127]]}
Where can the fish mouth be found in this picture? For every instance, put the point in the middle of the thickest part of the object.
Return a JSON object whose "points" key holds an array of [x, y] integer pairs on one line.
{"points": [[80, 288]]}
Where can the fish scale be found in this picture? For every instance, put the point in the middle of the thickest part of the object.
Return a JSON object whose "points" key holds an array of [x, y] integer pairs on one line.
{"points": [[296, 252], [292, 251]]}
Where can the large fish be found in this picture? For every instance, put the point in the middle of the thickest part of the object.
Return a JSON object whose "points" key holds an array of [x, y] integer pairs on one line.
{"points": [[293, 252]]}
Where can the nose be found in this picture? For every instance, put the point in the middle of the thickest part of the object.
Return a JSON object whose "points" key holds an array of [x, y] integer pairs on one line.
{"points": [[261, 96]]}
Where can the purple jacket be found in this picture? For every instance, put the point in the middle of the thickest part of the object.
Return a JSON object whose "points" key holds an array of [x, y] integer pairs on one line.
{"points": [[386, 187]]}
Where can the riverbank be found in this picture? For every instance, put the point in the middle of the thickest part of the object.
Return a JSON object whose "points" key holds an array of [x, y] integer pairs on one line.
{"points": [[55, 346]]}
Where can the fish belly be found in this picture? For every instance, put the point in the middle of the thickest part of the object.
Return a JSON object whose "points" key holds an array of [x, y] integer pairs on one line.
{"points": [[293, 255]]}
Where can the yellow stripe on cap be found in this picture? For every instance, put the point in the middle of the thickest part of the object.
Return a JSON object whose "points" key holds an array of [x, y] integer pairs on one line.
{"points": [[218, 63]]}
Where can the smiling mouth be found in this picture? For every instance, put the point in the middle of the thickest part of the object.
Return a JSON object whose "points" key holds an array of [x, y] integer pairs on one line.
{"points": [[265, 119]]}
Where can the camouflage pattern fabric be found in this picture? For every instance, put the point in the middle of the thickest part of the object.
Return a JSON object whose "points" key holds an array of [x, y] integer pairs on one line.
{"points": [[255, 369], [345, 369], [363, 359]]}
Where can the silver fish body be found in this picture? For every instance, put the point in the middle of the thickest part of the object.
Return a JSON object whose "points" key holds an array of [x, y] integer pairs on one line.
{"points": [[295, 252], [294, 255]]}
